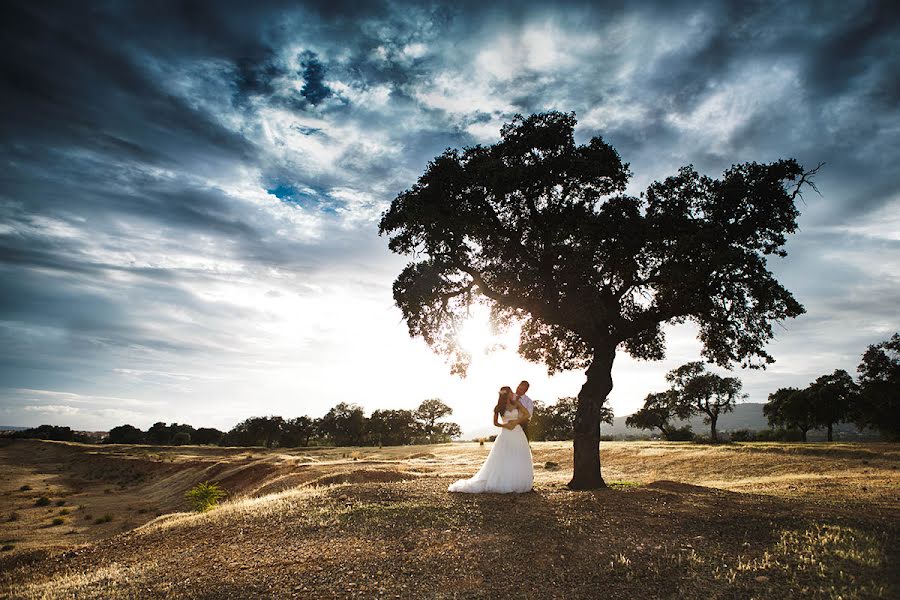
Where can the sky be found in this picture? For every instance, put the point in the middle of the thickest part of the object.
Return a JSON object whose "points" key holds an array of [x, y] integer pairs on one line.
{"points": [[191, 190]]}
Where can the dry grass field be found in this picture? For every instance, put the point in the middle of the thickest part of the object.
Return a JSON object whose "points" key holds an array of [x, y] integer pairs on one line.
{"points": [[679, 520]]}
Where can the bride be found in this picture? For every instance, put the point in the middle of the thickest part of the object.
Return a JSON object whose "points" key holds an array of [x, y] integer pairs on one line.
{"points": [[508, 467]]}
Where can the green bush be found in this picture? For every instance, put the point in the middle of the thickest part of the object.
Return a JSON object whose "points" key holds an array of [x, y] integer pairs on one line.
{"points": [[204, 496], [58, 521], [24, 488], [60, 502], [42, 501], [104, 519]]}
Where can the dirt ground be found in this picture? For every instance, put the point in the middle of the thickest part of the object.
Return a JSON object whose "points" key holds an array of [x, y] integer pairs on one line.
{"points": [[678, 520]]}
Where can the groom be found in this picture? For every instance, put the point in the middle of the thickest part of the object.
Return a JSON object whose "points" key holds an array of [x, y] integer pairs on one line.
{"points": [[522, 397]]}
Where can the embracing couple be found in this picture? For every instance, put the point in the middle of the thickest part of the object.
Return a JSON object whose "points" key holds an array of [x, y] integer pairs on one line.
{"points": [[508, 467]]}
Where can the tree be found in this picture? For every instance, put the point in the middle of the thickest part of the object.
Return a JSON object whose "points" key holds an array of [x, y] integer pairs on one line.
{"points": [[207, 436], [877, 405], [159, 433], [831, 397], [556, 422], [392, 427], [537, 424], [256, 431], [446, 432], [125, 434], [47, 432], [181, 438], [539, 229], [427, 415], [298, 432], [344, 424], [790, 408], [658, 410], [696, 391]]}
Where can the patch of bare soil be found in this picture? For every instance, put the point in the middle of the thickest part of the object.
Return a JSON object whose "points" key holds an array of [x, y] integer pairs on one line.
{"points": [[380, 524]]}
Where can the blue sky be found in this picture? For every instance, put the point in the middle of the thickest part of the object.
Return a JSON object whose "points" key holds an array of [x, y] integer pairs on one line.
{"points": [[191, 191]]}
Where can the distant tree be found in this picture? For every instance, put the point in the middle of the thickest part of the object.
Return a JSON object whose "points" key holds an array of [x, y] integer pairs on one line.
{"points": [[181, 438], [208, 436], [537, 424], [427, 415], [658, 410], [298, 432], [47, 432], [160, 434], [344, 424], [559, 418], [176, 428], [831, 397], [696, 391], [392, 427], [790, 408], [541, 231], [445, 432], [125, 434], [255, 431], [877, 405]]}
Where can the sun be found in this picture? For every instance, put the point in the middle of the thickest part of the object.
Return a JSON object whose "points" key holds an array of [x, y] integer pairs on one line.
{"points": [[476, 335]]}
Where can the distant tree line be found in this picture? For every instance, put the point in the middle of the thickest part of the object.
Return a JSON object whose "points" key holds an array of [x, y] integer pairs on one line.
{"points": [[343, 425], [556, 421], [873, 401], [55, 433]]}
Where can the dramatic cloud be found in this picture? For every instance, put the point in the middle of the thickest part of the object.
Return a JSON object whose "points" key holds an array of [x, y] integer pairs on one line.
{"points": [[188, 216]]}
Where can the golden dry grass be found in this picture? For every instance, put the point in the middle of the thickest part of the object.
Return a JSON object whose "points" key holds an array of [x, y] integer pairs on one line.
{"points": [[678, 521]]}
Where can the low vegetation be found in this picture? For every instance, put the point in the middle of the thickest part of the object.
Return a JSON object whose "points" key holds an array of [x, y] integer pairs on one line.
{"points": [[204, 496]]}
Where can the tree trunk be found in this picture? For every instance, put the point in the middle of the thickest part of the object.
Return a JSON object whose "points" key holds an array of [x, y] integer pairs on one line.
{"points": [[804, 435], [712, 427], [586, 471], [830, 425]]}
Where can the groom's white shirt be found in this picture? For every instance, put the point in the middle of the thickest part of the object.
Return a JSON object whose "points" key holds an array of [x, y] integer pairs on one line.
{"points": [[528, 404]]}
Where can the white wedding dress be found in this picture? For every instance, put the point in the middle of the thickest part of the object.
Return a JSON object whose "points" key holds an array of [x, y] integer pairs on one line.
{"points": [[508, 467]]}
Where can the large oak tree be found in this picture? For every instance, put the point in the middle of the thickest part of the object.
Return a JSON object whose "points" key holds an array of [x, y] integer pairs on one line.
{"points": [[540, 229]]}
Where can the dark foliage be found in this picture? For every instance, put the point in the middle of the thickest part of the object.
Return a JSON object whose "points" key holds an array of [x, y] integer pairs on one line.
{"points": [[540, 230], [877, 405], [125, 434], [46, 432]]}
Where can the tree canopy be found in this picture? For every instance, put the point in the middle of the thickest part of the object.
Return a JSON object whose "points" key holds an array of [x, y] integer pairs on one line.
{"points": [[540, 230]]}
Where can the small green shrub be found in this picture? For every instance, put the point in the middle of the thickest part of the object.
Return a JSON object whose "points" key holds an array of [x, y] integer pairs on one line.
{"points": [[204, 496], [42, 501], [64, 512], [6, 547], [60, 502], [58, 521], [104, 519], [24, 488]]}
